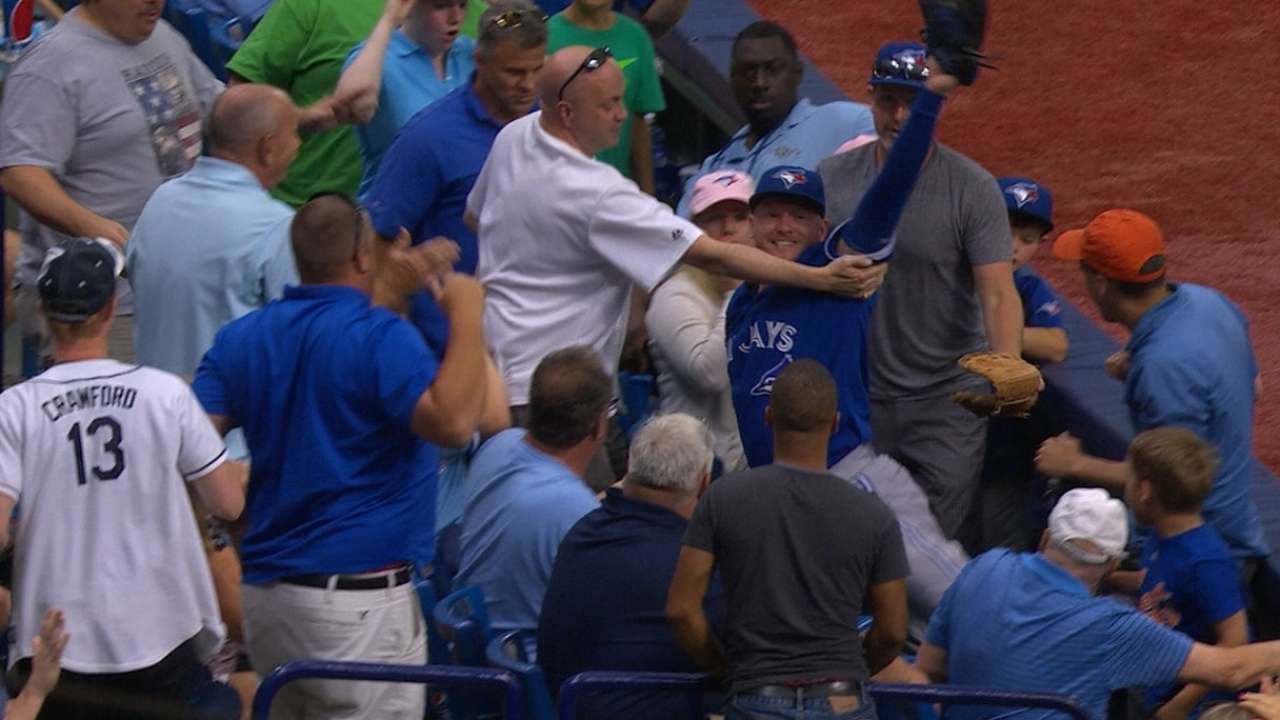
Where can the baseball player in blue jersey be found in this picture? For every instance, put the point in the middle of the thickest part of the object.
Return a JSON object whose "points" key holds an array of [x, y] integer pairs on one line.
{"points": [[769, 327]]}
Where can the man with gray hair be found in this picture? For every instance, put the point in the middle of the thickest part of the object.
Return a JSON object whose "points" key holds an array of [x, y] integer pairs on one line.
{"points": [[1030, 623], [604, 604]]}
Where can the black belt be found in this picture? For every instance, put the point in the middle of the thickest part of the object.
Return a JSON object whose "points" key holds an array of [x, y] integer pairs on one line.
{"points": [[365, 581], [821, 688]]}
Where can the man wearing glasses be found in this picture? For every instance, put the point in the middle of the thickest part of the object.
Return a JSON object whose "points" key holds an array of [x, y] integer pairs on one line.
{"points": [[564, 238], [949, 291]]}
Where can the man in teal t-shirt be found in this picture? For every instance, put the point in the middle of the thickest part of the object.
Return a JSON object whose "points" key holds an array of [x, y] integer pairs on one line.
{"points": [[300, 47], [593, 23]]}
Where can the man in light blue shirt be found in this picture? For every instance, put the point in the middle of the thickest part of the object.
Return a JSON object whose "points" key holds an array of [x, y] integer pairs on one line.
{"points": [[782, 128], [1029, 623], [525, 489], [419, 63], [213, 245]]}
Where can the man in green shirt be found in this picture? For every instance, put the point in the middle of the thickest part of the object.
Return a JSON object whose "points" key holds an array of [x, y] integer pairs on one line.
{"points": [[300, 47], [593, 23]]}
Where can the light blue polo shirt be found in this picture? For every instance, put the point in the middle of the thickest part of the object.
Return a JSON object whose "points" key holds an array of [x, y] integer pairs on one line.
{"points": [[1014, 621], [809, 135], [1192, 365], [520, 504], [324, 385], [210, 246], [409, 83]]}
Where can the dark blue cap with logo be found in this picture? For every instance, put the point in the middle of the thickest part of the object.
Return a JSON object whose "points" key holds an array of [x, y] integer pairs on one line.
{"points": [[900, 63], [1026, 197], [791, 181], [78, 278]]}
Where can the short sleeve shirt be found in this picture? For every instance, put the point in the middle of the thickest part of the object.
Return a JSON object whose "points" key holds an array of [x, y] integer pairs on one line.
{"points": [[563, 238], [1018, 622], [631, 47], [1040, 305], [350, 487], [98, 455], [300, 46], [795, 570], [928, 313], [110, 120]]}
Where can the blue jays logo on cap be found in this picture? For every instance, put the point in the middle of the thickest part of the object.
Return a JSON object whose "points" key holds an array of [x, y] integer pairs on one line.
{"points": [[791, 178], [900, 63], [1023, 193], [1026, 197], [794, 182], [728, 179]]}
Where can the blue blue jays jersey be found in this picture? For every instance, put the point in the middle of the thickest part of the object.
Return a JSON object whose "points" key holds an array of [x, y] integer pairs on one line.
{"points": [[1040, 305], [767, 329]]}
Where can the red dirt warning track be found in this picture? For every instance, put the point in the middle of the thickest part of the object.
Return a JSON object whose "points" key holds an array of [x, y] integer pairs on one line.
{"points": [[1171, 107]]}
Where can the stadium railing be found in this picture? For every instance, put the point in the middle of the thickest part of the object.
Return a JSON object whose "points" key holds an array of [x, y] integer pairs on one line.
{"points": [[516, 651]]}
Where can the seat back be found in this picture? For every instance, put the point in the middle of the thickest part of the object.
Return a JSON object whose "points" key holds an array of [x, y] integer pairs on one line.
{"points": [[463, 622], [517, 651], [573, 689]]}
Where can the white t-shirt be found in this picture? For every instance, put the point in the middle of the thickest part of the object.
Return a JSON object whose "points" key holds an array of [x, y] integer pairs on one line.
{"points": [[563, 238], [96, 453]]}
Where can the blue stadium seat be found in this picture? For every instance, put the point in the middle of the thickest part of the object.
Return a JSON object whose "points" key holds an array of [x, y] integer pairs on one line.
{"points": [[689, 684], [517, 651], [463, 623]]}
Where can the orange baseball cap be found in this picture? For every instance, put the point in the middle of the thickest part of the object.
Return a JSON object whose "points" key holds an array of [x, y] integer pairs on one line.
{"points": [[1122, 245]]}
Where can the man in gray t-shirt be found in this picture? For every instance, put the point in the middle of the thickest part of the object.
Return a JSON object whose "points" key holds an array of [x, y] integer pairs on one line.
{"points": [[96, 114], [949, 291], [801, 553]]}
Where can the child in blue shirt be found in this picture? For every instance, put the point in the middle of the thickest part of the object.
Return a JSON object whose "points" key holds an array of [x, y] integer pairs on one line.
{"points": [[1008, 512], [1189, 580]]}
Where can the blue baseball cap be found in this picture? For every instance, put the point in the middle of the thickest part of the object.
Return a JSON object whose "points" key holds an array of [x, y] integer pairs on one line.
{"points": [[900, 63], [791, 181], [1026, 197]]}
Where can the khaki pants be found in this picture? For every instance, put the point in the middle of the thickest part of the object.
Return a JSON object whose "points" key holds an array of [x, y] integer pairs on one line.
{"points": [[284, 622]]}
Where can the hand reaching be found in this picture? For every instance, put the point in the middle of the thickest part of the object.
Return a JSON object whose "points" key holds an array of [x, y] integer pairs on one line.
{"points": [[1264, 704], [1058, 456], [854, 276], [46, 664]]}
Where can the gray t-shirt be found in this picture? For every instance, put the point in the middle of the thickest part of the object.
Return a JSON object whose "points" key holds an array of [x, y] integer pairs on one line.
{"points": [[928, 313], [796, 550], [110, 120]]}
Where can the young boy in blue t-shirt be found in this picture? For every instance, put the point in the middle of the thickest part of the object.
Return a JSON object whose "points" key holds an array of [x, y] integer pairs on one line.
{"points": [[1011, 442], [1189, 581]]}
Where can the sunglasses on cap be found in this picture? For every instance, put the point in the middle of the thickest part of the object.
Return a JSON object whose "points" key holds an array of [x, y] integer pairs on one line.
{"points": [[895, 69], [592, 63], [516, 18]]}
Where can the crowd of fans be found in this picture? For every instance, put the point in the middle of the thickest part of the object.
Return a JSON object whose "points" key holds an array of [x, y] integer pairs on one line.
{"points": [[367, 304]]}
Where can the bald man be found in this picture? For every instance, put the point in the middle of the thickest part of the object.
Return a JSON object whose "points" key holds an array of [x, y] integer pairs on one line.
{"points": [[565, 239], [212, 244]]}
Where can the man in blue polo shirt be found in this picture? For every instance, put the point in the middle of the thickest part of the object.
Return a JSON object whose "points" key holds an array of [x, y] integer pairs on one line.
{"points": [[605, 603], [413, 65], [782, 128], [1189, 363], [423, 182], [1029, 623], [339, 402]]}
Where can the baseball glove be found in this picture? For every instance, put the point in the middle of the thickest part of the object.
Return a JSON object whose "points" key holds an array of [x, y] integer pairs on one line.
{"points": [[954, 30], [1015, 385]]}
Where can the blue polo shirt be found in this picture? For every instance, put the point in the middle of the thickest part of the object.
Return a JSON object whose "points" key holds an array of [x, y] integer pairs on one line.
{"points": [[605, 607], [409, 84], [1192, 365], [1018, 622], [809, 134], [324, 386], [767, 329], [520, 504]]}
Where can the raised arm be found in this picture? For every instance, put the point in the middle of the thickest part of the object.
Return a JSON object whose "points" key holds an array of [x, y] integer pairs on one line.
{"points": [[451, 409], [359, 87]]}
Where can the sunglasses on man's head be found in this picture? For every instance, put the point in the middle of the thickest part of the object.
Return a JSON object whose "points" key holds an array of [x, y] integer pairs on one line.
{"points": [[516, 18], [894, 69], [592, 63]]}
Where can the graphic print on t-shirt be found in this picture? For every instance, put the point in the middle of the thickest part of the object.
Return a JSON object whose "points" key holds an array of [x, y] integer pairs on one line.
{"points": [[172, 113]]}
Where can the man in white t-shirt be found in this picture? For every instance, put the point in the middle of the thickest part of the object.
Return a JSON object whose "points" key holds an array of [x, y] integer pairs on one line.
{"points": [[98, 455], [564, 238]]}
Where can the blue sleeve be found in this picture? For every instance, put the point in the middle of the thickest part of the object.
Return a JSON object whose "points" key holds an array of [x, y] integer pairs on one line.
{"points": [[211, 385], [1162, 392], [405, 186], [881, 207], [403, 370], [1142, 652], [1039, 303], [1216, 584]]}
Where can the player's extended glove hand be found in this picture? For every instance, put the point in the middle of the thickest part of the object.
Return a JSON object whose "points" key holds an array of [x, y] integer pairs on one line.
{"points": [[954, 30], [1015, 385]]}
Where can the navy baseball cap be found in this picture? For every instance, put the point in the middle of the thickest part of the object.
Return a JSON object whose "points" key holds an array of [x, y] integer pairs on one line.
{"points": [[78, 279], [1026, 197], [791, 181], [900, 63]]}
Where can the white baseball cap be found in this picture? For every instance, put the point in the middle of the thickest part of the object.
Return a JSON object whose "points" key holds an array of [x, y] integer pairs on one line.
{"points": [[718, 186], [1090, 514]]}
